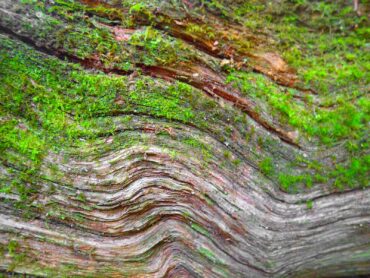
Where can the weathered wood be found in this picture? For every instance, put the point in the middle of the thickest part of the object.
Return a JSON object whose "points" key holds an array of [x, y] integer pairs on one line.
{"points": [[134, 203]]}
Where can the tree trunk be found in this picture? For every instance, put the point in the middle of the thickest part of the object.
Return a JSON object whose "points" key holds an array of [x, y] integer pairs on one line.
{"points": [[183, 139]]}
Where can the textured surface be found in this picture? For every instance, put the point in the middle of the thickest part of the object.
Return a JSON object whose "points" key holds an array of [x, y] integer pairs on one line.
{"points": [[168, 174]]}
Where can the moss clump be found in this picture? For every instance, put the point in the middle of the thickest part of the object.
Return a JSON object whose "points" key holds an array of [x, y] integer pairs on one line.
{"points": [[290, 182], [266, 165], [156, 48]]}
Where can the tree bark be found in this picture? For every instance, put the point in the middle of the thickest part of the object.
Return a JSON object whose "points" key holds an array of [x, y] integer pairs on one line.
{"points": [[172, 195]]}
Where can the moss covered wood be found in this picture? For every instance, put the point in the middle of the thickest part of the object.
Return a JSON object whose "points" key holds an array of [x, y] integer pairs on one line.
{"points": [[184, 138]]}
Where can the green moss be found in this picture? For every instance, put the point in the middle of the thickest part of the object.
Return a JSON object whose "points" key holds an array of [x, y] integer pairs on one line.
{"points": [[153, 47], [249, 135], [53, 103], [289, 182], [334, 60], [81, 197], [209, 255], [12, 247], [345, 121], [202, 31], [205, 150], [237, 162], [200, 229], [356, 170], [248, 13], [138, 7], [227, 154], [266, 165], [309, 204], [18, 258]]}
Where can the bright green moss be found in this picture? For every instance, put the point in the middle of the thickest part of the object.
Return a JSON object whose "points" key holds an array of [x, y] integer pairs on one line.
{"points": [[353, 173], [16, 137], [309, 204], [289, 182], [266, 165], [138, 7]]}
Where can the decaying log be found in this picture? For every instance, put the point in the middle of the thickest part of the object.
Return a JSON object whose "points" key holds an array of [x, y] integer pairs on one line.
{"points": [[161, 195]]}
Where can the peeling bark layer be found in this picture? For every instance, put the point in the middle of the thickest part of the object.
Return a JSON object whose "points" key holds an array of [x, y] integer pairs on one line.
{"points": [[152, 194]]}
